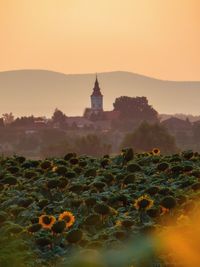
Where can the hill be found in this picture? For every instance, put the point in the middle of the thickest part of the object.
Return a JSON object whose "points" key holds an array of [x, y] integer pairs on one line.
{"points": [[39, 92]]}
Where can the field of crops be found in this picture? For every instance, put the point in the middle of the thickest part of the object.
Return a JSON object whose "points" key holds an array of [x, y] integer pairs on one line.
{"points": [[107, 212]]}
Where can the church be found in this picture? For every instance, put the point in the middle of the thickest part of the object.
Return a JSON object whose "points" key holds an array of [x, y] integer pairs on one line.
{"points": [[95, 115], [96, 98]]}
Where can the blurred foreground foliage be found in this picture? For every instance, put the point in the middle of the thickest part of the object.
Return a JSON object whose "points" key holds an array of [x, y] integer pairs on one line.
{"points": [[114, 211]]}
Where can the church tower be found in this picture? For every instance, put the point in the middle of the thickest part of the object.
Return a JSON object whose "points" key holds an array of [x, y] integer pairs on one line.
{"points": [[96, 98]]}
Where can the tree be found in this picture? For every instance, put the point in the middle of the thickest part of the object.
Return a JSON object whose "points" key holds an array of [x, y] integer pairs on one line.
{"points": [[23, 122], [1, 123], [148, 136], [91, 145], [59, 117], [8, 118], [135, 108]]}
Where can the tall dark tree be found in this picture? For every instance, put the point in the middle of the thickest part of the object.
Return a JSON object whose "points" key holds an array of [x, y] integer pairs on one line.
{"points": [[1, 123], [135, 108], [59, 117], [8, 118], [149, 136]]}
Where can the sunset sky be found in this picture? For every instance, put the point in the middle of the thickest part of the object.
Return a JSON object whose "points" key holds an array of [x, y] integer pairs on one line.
{"points": [[158, 38]]}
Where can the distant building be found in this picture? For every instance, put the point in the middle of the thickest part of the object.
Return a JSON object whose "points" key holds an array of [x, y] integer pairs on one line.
{"points": [[80, 122], [111, 115], [94, 116], [95, 112], [96, 98]]}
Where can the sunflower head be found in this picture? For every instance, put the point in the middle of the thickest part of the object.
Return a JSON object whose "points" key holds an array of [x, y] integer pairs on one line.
{"points": [[68, 217], [143, 203], [47, 221], [34, 228], [155, 151], [58, 227]]}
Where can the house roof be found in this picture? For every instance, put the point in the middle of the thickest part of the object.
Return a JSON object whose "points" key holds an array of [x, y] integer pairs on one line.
{"points": [[78, 120], [111, 115]]}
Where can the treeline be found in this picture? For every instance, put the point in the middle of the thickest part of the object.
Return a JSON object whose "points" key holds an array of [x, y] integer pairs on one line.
{"points": [[136, 125], [143, 139], [132, 111], [56, 142]]}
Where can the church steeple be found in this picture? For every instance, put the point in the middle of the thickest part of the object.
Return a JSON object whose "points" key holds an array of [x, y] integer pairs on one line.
{"points": [[96, 81], [96, 97], [96, 89]]}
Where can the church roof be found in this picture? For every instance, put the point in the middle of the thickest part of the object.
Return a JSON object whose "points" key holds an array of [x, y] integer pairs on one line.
{"points": [[96, 89], [112, 115]]}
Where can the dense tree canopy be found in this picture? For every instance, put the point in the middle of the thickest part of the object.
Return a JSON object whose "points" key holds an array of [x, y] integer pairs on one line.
{"points": [[59, 117], [8, 118], [148, 136], [23, 122], [135, 108]]}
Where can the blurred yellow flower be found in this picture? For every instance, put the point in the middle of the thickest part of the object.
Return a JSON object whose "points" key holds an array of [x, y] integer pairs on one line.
{"points": [[47, 221], [143, 203], [68, 217]]}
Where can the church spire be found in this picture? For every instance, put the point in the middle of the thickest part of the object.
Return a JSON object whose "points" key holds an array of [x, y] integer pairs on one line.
{"points": [[96, 89], [96, 82], [96, 97]]}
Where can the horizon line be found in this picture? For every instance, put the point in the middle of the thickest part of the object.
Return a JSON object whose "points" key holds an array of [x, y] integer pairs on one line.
{"points": [[99, 72]]}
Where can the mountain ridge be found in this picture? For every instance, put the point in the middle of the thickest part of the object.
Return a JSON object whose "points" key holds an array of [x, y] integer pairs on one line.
{"points": [[39, 92], [90, 73]]}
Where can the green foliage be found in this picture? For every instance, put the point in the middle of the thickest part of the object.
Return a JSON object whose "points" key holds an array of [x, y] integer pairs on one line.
{"points": [[113, 206], [135, 108], [148, 136], [59, 117], [14, 250]]}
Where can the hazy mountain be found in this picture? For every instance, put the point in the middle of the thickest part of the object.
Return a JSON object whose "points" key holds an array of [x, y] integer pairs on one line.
{"points": [[39, 92]]}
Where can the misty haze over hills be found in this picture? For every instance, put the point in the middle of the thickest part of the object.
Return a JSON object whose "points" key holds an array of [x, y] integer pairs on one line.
{"points": [[39, 92]]}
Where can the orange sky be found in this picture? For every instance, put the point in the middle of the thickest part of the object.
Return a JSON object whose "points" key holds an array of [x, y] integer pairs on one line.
{"points": [[159, 38]]}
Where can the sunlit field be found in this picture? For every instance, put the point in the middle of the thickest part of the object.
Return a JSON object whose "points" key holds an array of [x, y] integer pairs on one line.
{"points": [[129, 210]]}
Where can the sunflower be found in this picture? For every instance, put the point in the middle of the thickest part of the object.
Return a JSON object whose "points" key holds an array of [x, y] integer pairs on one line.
{"points": [[143, 203], [68, 217], [47, 221], [155, 151]]}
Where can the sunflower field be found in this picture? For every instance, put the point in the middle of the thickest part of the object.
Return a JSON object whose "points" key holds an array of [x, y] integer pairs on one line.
{"points": [[127, 210]]}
